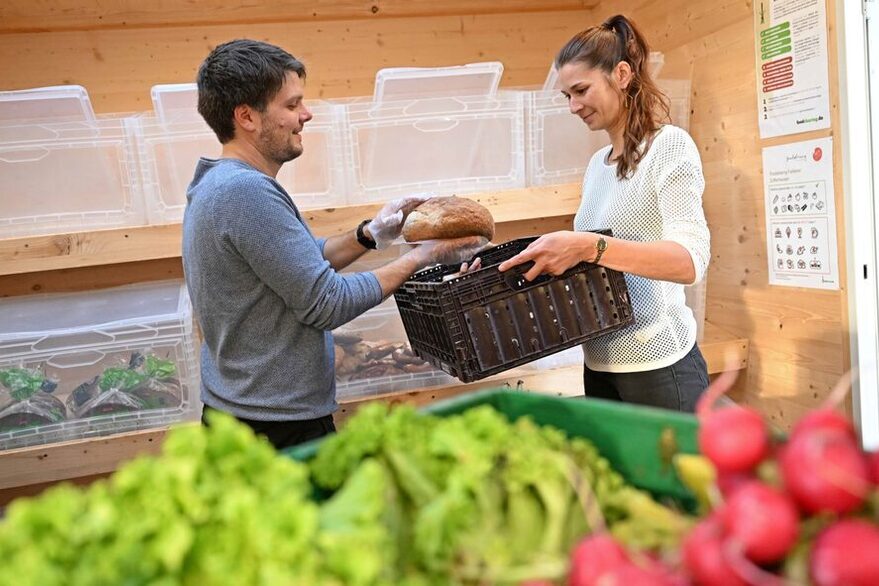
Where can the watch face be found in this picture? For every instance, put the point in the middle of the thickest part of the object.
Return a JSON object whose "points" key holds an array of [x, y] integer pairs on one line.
{"points": [[601, 244]]}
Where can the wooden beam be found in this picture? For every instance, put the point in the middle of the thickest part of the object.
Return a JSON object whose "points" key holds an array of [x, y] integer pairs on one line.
{"points": [[26, 16], [102, 247]]}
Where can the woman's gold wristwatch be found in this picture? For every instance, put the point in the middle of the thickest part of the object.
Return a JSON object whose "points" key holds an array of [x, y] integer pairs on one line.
{"points": [[600, 247]]}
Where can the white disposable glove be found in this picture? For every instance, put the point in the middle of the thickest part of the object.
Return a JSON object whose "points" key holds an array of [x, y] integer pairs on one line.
{"points": [[388, 223], [454, 250]]}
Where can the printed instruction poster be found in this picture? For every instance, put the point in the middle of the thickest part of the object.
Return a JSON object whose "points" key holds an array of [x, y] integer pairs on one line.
{"points": [[800, 214], [793, 93]]}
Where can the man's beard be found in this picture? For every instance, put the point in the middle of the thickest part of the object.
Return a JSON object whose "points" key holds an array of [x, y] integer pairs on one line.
{"points": [[278, 149]]}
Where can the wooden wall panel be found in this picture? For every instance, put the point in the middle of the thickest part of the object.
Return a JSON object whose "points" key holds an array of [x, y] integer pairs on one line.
{"points": [[41, 16], [118, 66], [118, 49], [799, 337]]}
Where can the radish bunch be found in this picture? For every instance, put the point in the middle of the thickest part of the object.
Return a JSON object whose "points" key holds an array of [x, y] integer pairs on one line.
{"points": [[804, 511], [820, 499], [799, 512]]}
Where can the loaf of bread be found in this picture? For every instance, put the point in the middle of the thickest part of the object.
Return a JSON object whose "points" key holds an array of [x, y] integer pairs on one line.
{"points": [[440, 218]]}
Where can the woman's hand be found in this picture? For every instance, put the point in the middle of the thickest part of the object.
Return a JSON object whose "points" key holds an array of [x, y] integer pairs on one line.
{"points": [[554, 253]]}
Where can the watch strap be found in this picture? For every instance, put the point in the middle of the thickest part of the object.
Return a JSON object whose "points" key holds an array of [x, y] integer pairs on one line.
{"points": [[362, 238]]}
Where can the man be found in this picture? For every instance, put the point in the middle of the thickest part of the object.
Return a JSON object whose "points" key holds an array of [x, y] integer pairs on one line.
{"points": [[265, 290]]}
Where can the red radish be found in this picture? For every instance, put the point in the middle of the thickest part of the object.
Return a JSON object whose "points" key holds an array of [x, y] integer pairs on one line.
{"points": [[629, 574], [873, 463], [826, 416], [593, 557], [735, 438], [703, 555], [747, 570], [846, 554], [729, 482], [763, 520], [824, 470]]}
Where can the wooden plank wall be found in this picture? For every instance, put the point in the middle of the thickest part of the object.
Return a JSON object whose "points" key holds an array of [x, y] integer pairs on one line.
{"points": [[118, 49], [799, 337]]}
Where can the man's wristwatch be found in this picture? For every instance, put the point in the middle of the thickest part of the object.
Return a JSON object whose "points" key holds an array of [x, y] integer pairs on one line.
{"points": [[600, 247], [365, 241]]}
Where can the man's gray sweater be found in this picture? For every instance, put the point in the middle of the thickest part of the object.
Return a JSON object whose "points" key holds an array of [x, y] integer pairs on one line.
{"points": [[264, 296]]}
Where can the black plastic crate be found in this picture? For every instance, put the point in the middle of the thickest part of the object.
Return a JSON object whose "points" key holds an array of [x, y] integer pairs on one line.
{"points": [[484, 322]]}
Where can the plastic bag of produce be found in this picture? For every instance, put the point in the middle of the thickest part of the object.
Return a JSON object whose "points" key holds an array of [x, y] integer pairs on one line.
{"points": [[145, 382], [26, 399]]}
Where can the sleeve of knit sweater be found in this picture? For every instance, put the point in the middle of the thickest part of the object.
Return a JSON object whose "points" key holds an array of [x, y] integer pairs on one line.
{"points": [[283, 253], [679, 187]]}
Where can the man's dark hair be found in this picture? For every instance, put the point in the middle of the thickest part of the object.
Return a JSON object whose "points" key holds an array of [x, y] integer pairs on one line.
{"points": [[241, 72]]}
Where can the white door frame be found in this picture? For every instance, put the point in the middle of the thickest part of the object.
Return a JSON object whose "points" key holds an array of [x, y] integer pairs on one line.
{"points": [[855, 22]]}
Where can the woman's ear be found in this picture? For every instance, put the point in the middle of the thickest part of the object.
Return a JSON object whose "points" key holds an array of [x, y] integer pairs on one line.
{"points": [[622, 74]]}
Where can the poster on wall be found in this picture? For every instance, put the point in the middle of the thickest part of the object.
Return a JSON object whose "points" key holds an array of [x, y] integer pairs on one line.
{"points": [[793, 93], [801, 214]]}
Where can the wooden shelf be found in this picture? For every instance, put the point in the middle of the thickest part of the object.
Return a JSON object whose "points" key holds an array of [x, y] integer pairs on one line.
{"points": [[88, 457], [119, 245]]}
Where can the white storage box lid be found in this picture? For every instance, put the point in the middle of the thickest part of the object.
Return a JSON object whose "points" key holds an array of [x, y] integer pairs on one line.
{"points": [[69, 103], [175, 99], [472, 79], [38, 317]]}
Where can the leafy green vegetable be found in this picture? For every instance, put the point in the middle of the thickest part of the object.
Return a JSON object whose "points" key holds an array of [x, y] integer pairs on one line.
{"points": [[157, 368], [120, 378], [218, 507], [485, 500], [22, 383]]}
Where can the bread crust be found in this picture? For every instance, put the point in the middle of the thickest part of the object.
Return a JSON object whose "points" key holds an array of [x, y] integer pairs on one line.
{"points": [[440, 218]]}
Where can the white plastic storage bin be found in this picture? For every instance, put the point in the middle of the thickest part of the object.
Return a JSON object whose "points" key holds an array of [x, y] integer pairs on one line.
{"points": [[66, 176], [171, 142], [95, 363], [373, 357], [559, 144], [440, 146]]}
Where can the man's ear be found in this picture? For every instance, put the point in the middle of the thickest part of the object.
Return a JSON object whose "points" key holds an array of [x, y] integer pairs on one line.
{"points": [[622, 74], [246, 117]]}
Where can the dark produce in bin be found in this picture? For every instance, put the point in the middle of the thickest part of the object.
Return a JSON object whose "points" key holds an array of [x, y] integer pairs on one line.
{"points": [[146, 382], [26, 399], [483, 322]]}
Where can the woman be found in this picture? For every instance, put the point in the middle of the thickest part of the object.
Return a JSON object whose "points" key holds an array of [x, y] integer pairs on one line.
{"points": [[647, 187]]}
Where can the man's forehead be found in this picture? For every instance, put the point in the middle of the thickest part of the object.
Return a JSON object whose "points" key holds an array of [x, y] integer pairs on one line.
{"points": [[293, 87]]}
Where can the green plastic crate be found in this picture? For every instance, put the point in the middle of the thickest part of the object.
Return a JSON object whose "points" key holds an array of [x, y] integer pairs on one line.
{"points": [[638, 441]]}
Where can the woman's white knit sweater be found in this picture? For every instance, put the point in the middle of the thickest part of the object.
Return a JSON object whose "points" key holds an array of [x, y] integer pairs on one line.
{"points": [[661, 200]]}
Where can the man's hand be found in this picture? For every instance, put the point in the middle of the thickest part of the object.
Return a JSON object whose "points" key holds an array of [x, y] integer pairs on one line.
{"points": [[388, 223], [451, 251]]}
